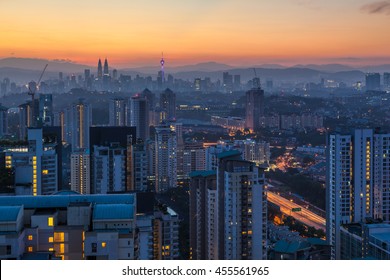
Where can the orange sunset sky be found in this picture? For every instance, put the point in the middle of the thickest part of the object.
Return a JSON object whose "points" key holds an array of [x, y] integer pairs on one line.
{"points": [[245, 32]]}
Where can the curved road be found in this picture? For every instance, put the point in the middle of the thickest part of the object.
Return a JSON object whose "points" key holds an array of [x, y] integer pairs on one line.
{"points": [[305, 216]]}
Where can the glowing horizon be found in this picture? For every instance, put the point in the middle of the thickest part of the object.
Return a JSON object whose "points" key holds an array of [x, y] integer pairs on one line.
{"points": [[134, 33]]}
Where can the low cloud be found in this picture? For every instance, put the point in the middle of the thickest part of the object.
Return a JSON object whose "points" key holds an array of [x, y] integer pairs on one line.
{"points": [[379, 7]]}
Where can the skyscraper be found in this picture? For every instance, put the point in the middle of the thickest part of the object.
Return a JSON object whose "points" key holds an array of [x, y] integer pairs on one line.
{"points": [[227, 82], [139, 115], [78, 123], [357, 184], [166, 162], [168, 105], [100, 70], [150, 97], [373, 81], [117, 112], [254, 108], [105, 69]]}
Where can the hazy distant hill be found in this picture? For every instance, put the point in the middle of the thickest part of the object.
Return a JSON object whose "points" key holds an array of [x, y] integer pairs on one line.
{"points": [[23, 70], [202, 67], [326, 67], [39, 64], [24, 76], [377, 68]]}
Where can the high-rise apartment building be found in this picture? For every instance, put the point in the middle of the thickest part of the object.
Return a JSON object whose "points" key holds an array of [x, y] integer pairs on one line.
{"points": [[28, 117], [117, 112], [69, 226], [166, 161], [3, 121], [165, 234], [111, 158], [139, 116], [80, 172], [139, 168], [36, 165], [203, 215], [46, 116], [109, 168], [357, 181], [254, 108], [76, 122], [228, 210]]}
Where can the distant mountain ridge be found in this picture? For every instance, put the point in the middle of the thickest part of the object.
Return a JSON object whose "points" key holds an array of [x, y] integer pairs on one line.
{"points": [[27, 69], [39, 64]]}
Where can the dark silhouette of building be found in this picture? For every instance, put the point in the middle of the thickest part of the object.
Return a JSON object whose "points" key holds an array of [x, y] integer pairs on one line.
{"points": [[254, 108], [373, 81], [168, 105]]}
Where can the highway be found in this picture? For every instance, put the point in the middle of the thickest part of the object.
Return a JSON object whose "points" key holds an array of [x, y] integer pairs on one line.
{"points": [[305, 216]]}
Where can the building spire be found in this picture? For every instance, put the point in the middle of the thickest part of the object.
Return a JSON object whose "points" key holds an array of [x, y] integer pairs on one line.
{"points": [[100, 69], [105, 71]]}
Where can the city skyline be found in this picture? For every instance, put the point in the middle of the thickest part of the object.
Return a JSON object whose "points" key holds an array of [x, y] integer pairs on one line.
{"points": [[134, 34]]}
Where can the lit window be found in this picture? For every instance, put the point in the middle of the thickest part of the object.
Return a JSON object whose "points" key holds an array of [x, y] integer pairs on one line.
{"points": [[45, 171], [62, 248], [30, 237], [30, 249], [51, 239], [59, 237], [50, 221], [51, 249], [104, 244]]}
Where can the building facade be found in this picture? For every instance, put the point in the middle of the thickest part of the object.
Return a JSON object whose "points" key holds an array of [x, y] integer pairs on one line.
{"points": [[357, 184]]}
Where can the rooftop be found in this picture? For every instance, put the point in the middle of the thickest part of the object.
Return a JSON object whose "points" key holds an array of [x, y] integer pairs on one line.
{"points": [[171, 212], [230, 153], [63, 201], [9, 213], [290, 247], [383, 236], [113, 211], [203, 173]]}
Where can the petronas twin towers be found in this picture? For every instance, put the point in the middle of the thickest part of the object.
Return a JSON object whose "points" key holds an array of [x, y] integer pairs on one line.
{"points": [[103, 71]]}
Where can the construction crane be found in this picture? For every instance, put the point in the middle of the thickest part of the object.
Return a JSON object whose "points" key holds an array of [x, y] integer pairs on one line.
{"points": [[256, 80], [32, 87]]}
